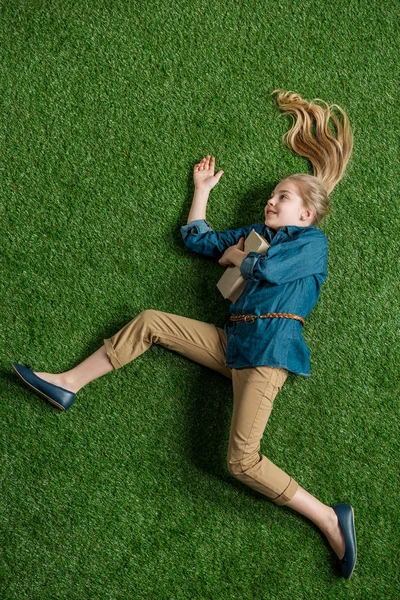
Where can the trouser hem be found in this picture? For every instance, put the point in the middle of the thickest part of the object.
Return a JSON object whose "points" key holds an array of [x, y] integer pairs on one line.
{"points": [[111, 354], [288, 494]]}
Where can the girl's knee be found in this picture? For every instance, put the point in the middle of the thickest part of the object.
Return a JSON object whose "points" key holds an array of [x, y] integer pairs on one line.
{"points": [[148, 315], [246, 463]]}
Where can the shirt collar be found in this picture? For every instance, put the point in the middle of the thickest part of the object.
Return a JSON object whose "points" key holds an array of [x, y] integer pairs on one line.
{"points": [[290, 230]]}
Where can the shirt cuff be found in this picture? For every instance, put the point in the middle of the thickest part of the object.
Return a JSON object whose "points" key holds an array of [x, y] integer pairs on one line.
{"points": [[196, 227], [248, 263]]}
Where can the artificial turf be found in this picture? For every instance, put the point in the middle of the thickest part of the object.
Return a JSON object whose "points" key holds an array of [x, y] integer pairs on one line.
{"points": [[105, 109]]}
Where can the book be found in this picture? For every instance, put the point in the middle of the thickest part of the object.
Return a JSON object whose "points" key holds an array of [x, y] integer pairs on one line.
{"points": [[232, 284]]}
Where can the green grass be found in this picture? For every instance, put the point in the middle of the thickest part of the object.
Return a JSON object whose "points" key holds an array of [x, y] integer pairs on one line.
{"points": [[105, 109]]}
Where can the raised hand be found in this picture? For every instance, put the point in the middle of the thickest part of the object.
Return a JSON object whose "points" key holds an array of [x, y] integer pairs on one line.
{"points": [[203, 174]]}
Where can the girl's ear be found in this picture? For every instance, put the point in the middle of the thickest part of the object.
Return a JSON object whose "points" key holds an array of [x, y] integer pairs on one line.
{"points": [[307, 214]]}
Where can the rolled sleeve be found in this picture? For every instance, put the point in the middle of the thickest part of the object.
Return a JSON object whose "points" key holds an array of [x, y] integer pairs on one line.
{"points": [[195, 227], [247, 265]]}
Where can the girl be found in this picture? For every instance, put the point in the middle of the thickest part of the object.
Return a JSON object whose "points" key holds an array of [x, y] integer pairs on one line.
{"points": [[262, 341]]}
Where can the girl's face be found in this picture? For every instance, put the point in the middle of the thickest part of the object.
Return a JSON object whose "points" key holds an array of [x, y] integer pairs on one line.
{"points": [[285, 207]]}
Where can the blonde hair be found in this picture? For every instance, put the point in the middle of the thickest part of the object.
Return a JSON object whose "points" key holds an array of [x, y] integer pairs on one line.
{"points": [[328, 155]]}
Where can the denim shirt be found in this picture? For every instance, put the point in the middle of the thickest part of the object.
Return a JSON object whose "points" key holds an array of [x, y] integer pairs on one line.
{"points": [[286, 279]]}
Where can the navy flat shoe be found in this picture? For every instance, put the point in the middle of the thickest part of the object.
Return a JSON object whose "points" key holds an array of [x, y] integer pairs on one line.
{"points": [[345, 514], [55, 394]]}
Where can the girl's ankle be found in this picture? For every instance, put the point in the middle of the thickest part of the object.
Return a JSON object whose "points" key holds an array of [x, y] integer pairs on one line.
{"points": [[69, 384]]}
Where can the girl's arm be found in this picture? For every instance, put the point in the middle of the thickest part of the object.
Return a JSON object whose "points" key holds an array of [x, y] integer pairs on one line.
{"points": [[198, 234], [300, 257], [204, 181], [199, 205], [199, 237]]}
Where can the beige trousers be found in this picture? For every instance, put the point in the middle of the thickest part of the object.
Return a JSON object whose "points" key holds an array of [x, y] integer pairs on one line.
{"points": [[254, 390]]}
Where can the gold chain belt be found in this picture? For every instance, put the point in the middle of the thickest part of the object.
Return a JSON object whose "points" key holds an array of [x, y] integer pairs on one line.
{"points": [[252, 318]]}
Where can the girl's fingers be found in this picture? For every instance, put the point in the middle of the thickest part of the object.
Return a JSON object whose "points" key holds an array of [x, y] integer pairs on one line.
{"points": [[205, 163], [209, 164]]}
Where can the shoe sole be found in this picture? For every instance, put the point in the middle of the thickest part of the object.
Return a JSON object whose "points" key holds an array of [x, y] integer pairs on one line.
{"points": [[355, 543], [38, 391]]}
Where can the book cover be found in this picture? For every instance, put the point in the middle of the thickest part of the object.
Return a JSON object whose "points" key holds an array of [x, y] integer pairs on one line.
{"points": [[232, 284]]}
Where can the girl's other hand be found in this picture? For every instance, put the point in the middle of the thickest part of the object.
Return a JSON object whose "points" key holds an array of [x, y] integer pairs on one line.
{"points": [[226, 258], [203, 174]]}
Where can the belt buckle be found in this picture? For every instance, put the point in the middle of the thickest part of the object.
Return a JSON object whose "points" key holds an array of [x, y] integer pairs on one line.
{"points": [[250, 318]]}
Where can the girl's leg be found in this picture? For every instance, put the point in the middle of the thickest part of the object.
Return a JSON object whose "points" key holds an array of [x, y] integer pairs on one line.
{"points": [[96, 365], [254, 392], [201, 342], [322, 515]]}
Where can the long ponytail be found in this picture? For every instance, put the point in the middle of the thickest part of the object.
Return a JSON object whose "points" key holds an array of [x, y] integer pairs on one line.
{"points": [[329, 155]]}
